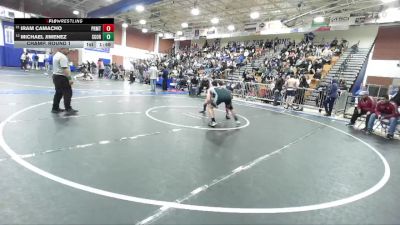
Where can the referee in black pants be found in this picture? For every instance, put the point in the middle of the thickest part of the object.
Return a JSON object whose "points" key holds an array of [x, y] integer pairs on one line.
{"points": [[62, 81]]}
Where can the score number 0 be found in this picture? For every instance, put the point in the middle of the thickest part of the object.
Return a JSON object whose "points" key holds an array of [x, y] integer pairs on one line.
{"points": [[108, 27]]}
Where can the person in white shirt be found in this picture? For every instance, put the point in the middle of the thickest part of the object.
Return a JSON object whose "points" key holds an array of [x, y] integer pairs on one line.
{"points": [[153, 77], [62, 81]]}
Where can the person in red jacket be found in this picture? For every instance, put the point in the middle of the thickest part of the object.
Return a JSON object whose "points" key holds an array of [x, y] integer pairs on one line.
{"points": [[385, 110], [366, 106]]}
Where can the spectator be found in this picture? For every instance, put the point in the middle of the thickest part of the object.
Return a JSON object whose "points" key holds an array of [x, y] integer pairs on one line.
{"points": [[366, 106], [48, 62], [301, 92], [153, 77], [342, 85], [165, 78], [35, 61], [331, 96], [385, 110], [24, 61], [396, 98], [100, 65], [115, 71], [277, 89]]}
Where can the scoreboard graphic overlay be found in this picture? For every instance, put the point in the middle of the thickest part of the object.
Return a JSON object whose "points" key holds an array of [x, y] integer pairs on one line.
{"points": [[64, 33]]}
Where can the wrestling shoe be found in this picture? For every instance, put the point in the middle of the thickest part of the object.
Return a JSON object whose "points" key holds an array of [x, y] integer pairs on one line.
{"points": [[71, 112], [212, 124], [390, 136], [57, 111], [237, 123], [227, 117]]}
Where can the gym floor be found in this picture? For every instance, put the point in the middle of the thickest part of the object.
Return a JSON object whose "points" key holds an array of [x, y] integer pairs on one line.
{"points": [[131, 157]]}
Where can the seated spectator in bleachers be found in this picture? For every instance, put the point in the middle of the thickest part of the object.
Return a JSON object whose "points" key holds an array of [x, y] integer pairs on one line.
{"points": [[366, 106], [385, 111]]}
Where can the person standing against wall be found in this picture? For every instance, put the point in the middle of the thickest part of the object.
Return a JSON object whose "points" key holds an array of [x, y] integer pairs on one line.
{"points": [[62, 81]]}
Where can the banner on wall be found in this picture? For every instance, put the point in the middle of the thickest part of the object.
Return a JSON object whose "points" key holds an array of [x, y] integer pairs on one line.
{"points": [[211, 31], [320, 24], [250, 27], [339, 20], [357, 20], [272, 27], [188, 33]]}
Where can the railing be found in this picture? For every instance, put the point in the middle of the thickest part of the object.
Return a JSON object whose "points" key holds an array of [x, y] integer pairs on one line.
{"points": [[344, 65], [268, 94]]}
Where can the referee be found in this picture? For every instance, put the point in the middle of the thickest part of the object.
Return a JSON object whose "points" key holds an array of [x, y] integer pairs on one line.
{"points": [[62, 82]]}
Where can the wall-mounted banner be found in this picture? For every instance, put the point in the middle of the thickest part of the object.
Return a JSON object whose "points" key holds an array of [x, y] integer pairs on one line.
{"points": [[357, 20], [339, 20], [272, 27], [324, 23], [211, 31], [250, 27]]}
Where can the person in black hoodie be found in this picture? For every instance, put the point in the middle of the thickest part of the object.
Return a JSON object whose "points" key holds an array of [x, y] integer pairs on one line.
{"points": [[277, 89], [301, 92]]}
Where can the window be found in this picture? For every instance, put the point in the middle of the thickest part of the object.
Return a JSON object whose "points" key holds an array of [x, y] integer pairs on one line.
{"points": [[9, 35]]}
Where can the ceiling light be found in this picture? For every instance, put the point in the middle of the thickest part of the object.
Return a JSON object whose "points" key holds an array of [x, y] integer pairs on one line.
{"points": [[143, 22], [124, 25], [145, 30], [139, 8], [254, 15], [212, 28], [319, 19], [161, 35], [195, 11], [231, 27], [215, 20], [179, 33], [387, 1], [75, 12], [184, 25]]}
